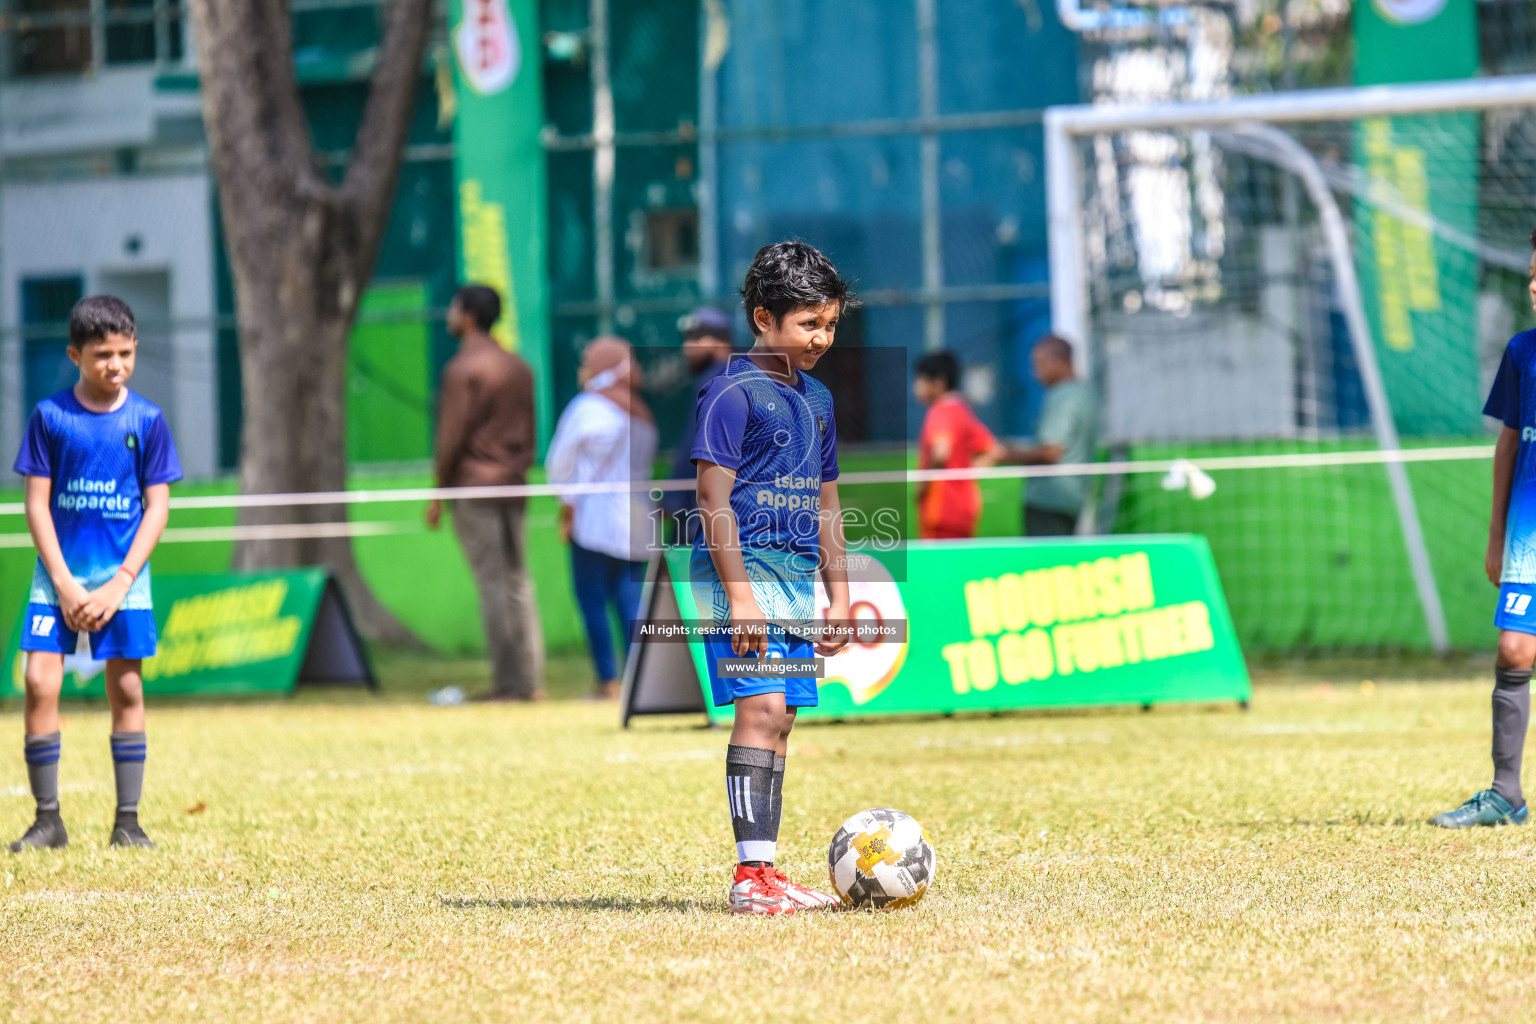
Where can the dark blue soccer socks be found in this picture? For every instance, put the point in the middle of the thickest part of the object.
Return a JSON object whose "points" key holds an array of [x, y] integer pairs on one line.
{"points": [[128, 750], [776, 811], [42, 756], [749, 789], [1511, 717]]}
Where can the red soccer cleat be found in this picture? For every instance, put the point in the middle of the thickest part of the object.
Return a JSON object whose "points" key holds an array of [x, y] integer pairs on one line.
{"points": [[757, 891], [804, 896]]}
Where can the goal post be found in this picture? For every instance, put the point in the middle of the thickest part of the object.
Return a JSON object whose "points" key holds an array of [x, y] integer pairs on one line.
{"points": [[1236, 271]]}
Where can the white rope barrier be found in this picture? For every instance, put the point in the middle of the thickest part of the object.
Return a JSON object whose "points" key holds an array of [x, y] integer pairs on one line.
{"points": [[1292, 460]]}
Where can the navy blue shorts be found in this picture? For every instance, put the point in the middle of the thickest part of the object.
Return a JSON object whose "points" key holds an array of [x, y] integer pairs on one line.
{"points": [[798, 692], [128, 634]]}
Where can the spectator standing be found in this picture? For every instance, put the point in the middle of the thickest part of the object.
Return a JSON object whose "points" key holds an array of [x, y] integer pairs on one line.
{"points": [[707, 348], [952, 438], [1067, 434], [606, 435], [486, 437]]}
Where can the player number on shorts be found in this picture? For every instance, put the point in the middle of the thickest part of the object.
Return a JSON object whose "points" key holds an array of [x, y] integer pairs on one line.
{"points": [[42, 625], [1516, 604]]}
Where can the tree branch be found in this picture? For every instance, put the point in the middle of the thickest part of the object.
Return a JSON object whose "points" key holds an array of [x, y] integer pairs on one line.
{"points": [[257, 133], [369, 186]]}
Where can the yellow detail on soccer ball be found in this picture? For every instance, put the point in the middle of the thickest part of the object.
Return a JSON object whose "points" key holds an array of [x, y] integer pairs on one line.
{"points": [[875, 847], [906, 901]]}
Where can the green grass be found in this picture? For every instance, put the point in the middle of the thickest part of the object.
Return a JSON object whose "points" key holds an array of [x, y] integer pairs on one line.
{"points": [[376, 859]]}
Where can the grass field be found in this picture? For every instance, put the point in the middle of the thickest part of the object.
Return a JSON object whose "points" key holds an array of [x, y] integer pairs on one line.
{"points": [[344, 857]]}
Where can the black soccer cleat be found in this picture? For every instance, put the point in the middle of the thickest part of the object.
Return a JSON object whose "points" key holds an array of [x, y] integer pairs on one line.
{"points": [[126, 831], [46, 833]]}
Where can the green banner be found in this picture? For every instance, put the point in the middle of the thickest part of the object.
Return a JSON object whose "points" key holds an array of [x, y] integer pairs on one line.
{"points": [[1420, 289], [499, 170], [995, 625], [250, 633]]}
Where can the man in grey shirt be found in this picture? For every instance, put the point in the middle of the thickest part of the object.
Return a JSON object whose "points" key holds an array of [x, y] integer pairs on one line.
{"points": [[1068, 433]]}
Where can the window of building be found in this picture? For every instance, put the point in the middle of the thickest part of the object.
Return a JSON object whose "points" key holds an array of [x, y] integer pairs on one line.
{"points": [[61, 37], [672, 239], [45, 306], [142, 32], [52, 37]]}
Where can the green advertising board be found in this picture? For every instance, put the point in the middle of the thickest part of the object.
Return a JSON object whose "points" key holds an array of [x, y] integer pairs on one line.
{"points": [[251, 633], [1420, 289], [991, 625], [498, 165]]}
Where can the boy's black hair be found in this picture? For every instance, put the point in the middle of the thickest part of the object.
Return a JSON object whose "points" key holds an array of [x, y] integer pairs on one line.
{"points": [[792, 275], [96, 316], [940, 366], [1533, 238], [480, 303]]}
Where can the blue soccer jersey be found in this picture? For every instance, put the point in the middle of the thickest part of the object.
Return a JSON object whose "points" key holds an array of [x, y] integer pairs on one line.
{"points": [[781, 440], [100, 464], [1512, 400]]}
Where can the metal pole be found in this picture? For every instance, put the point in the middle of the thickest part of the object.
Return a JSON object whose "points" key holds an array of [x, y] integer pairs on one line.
{"points": [[709, 201], [603, 154], [928, 101], [1306, 105], [12, 342], [1068, 269], [98, 35], [162, 27]]}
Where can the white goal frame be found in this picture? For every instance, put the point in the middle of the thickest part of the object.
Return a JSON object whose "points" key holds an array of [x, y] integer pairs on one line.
{"points": [[1247, 124]]}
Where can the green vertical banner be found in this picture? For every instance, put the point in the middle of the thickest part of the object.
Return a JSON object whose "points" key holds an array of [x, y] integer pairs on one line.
{"points": [[1420, 288], [499, 172]]}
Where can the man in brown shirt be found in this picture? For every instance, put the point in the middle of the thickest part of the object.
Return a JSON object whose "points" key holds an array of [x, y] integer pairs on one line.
{"points": [[485, 438]]}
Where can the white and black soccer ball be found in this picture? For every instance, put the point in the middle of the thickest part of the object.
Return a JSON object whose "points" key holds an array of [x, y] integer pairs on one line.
{"points": [[881, 859]]}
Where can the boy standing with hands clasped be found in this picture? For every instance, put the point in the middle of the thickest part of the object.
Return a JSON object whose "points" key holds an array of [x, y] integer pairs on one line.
{"points": [[98, 461], [766, 457]]}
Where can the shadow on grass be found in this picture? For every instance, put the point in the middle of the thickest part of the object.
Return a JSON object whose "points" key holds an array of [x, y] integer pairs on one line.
{"points": [[1350, 821], [626, 904]]}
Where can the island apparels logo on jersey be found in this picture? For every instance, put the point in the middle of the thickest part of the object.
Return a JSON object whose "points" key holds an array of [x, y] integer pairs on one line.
{"points": [[821, 425], [132, 442]]}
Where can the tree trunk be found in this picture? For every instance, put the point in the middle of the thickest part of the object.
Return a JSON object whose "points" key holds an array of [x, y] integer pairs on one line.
{"points": [[294, 439], [301, 251]]}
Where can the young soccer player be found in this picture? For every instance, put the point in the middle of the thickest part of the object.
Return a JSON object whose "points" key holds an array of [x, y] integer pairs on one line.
{"points": [[1510, 563], [769, 517], [952, 438], [98, 461]]}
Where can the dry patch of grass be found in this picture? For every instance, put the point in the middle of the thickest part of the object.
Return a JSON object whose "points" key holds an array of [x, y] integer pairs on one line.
{"points": [[401, 862]]}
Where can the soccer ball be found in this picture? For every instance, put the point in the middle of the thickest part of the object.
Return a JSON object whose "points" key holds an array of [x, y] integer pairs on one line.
{"points": [[881, 859]]}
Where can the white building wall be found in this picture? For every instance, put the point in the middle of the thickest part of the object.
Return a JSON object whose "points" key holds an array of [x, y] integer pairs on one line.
{"points": [[149, 237]]}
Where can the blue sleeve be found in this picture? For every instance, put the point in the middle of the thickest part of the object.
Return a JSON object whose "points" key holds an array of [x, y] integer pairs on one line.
{"points": [[682, 465], [161, 464], [36, 455], [1504, 396], [722, 422], [829, 451]]}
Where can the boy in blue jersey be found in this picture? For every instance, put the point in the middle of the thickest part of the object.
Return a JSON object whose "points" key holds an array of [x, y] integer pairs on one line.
{"points": [[1511, 566], [98, 461], [769, 517]]}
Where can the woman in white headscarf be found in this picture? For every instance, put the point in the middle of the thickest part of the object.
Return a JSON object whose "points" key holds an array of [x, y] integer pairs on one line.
{"points": [[606, 435]]}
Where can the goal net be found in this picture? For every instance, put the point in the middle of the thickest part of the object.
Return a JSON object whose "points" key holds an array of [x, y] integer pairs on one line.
{"points": [[1307, 296]]}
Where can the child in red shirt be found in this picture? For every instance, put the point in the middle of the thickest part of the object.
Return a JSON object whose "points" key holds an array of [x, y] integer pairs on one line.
{"points": [[952, 438]]}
